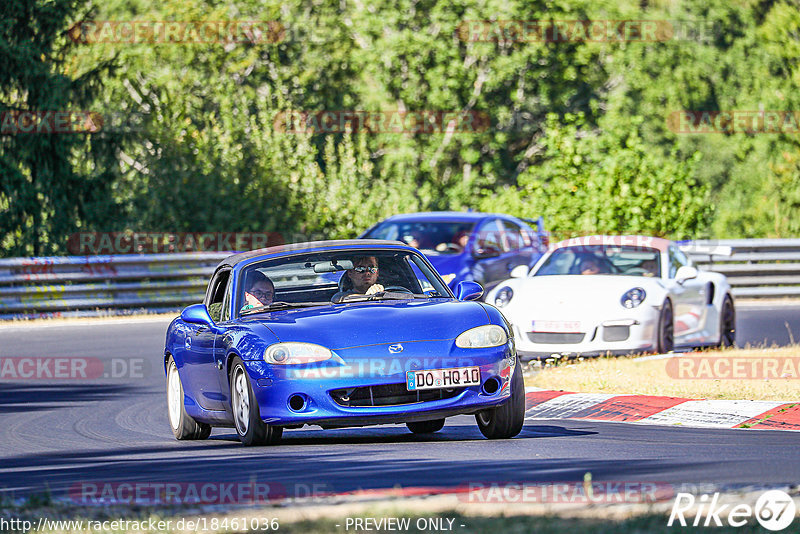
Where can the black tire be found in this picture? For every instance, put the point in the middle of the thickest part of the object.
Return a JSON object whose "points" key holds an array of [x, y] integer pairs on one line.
{"points": [[666, 329], [184, 427], [244, 407], [727, 323], [505, 421], [426, 427]]}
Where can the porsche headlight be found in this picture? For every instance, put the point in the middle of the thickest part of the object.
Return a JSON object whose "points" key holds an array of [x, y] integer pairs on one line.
{"points": [[296, 353], [503, 297], [633, 297], [482, 337]]}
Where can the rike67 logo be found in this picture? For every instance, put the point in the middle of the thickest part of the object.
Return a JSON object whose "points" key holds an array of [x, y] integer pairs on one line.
{"points": [[774, 510]]}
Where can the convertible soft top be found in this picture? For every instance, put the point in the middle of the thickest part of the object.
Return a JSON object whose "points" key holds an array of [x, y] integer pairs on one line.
{"points": [[313, 245]]}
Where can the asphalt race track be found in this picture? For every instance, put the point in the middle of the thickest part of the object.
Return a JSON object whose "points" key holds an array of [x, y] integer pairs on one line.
{"points": [[61, 433]]}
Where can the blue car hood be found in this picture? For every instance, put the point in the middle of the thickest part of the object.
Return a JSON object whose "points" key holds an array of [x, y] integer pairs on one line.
{"points": [[369, 323]]}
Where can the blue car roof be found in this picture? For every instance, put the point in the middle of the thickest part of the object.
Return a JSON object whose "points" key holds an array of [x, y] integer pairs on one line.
{"points": [[445, 216], [313, 246]]}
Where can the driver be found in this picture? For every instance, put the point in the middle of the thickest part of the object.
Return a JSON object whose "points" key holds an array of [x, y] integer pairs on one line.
{"points": [[361, 279], [592, 265], [259, 290], [650, 267]]}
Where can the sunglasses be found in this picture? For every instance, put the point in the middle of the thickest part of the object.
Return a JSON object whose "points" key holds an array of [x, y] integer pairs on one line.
{"points": [[362, 270], [259, 293]]}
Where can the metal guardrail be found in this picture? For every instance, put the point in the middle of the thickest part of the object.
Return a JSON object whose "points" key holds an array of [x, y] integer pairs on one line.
{"points": [[79, 286], [754, 267], [75, 286]]}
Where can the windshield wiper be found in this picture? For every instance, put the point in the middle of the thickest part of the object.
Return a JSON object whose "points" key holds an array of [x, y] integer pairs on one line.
{"points": [[280, 305]]}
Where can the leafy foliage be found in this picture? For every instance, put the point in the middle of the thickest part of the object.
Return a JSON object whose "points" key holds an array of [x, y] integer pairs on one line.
{"points": [[579, 130]]}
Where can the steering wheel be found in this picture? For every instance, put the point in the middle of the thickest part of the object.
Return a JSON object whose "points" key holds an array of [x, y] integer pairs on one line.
{"points": [[399, 289], [637, 270], [448, 247]]}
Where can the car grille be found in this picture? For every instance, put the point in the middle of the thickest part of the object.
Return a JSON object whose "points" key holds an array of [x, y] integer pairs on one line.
{"points": [[555, 337], [388, 395], [616, 333]]}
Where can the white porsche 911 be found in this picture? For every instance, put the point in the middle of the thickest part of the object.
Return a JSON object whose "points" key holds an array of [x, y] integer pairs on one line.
{"points": [[615, 294]]}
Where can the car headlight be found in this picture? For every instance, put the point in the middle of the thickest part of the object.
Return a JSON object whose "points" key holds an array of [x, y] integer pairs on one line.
{"points": [[503, 297], [489, 335], [633, 297], [296, 353]]}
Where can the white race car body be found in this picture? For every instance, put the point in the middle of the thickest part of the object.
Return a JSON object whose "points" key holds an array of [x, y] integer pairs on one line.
{"points": [[557, 310]]}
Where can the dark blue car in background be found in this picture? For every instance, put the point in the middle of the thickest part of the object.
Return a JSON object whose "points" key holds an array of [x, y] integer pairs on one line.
{"points": [[480, 247]]}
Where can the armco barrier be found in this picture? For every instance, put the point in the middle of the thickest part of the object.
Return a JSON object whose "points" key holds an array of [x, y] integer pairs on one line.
{"points": [[103, 285], [754, 267], [129, 283]]}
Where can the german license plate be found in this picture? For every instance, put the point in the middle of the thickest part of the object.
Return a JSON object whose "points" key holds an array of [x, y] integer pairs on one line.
{"points": [[443, 378], [556, 326]]}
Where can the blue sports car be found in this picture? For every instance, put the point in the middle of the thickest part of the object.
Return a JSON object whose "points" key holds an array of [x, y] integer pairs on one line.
{"points": [[339, 334], [481, 247]]}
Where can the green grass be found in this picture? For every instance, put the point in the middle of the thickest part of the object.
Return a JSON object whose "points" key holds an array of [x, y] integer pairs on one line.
{"points": [[621, 375]]}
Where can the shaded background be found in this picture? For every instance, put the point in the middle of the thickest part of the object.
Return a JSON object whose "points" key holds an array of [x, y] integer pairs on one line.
{"points": [[578, 130]]}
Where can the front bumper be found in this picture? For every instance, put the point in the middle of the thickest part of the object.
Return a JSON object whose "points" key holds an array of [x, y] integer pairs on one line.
{"points": [[276, 387], [616, 336]]}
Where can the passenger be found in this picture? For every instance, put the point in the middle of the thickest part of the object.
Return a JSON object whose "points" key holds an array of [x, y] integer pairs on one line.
{"points": [[650, 268], [457, 245], [259, 290], [591, 266], [362, 279], [413, 239]]}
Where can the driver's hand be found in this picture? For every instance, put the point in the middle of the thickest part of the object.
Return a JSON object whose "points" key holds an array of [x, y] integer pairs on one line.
{"points": [[252, 300], [374, 288]]}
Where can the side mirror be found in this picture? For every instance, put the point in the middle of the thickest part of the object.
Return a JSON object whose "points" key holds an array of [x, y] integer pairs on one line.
{"points": [[520, 271], [685, 273], [197, 314], [467, 290]]}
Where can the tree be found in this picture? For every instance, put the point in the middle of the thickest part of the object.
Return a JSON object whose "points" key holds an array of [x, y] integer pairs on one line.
{"points": [[44, 196], [606, 181]]}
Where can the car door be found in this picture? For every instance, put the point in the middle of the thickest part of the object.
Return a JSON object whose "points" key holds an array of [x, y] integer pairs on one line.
{"points": [[222, 346], [490, 253], [199, 359], [689, 297]]}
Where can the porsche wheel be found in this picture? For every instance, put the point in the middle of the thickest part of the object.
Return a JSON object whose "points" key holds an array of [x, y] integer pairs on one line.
{"points": [[666, 329], [727, 328], [426, 427], [244, 406], [505, 421], [182, 424]]}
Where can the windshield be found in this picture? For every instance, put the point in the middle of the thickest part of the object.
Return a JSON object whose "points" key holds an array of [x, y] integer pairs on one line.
{"points": [[322, 278], [599, 259], [444, 237]]}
